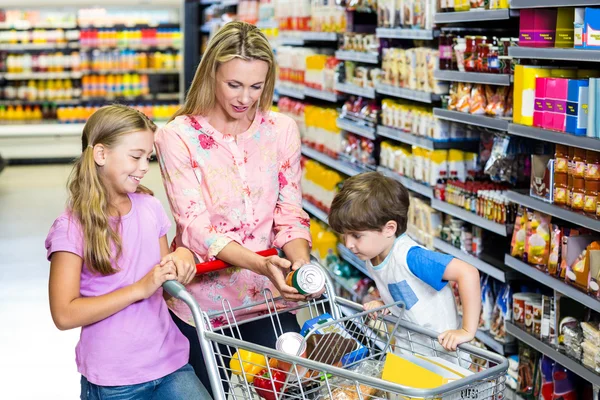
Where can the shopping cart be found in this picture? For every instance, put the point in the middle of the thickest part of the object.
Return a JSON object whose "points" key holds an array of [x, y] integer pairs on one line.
{"points": [[330, 366]]}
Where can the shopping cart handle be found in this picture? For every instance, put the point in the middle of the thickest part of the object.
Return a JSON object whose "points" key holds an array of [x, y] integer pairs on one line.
{"points": [[217, 265]]}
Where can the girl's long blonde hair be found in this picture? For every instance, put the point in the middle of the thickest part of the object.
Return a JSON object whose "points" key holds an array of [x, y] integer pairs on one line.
{"points": [[235, 40], [88, 197]]}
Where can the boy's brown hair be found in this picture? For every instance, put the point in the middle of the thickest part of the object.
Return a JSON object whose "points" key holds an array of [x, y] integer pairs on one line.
{"points": [[367, 202]]}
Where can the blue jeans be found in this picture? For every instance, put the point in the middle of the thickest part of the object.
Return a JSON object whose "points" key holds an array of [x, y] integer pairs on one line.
{"points": [[182, 384]]}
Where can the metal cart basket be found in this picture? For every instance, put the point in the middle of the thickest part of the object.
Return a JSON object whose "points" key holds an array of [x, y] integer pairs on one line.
{"points": [[340, 359]]}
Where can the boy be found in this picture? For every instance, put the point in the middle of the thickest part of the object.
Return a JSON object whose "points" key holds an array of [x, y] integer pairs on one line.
{"points": [[371, 211]]}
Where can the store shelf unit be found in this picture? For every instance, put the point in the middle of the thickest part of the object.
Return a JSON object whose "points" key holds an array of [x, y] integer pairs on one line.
{"points": [[552, 53], [41, 75], [582, 142], [322, 95], [349, 88], [351, 259], [290, 92], [399, 33], [408, 94], [358, 56], [468, 216], [314, 211], [408, 183], [470, 119], [356, 128], [552, 282], [298, 38], [421, 141], [579, 218], [474, 16], [482, 266], [567, 362], [553, 3], [473, 77], [499, 347], [338, 165]]}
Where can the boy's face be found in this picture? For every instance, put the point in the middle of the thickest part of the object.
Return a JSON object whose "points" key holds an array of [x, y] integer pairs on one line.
{"points": [[367, 245]]}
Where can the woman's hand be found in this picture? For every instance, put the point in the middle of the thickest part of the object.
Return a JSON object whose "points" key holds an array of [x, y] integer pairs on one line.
{"points": [[184, 263], [276, 268], [154, 279]]}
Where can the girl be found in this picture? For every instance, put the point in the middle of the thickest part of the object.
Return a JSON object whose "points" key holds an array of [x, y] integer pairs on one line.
{"points": [[106, 269], [231, 169]]}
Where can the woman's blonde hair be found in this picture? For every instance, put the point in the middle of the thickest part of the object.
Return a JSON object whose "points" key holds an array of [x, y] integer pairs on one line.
{"points": [[235, 40], [88, 196]]}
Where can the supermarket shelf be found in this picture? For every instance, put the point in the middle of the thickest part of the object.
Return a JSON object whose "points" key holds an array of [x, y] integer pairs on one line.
{"points": [[399, 33], [581, 219], [351, 259], [15, 102], [25, 25], [286, 40], [322, 95], [408, 94], [469, 119], [567, 362], [131, 71], [408, 183], [552, 282], [40, 75], [229, 3], [297, 38], [552, 53], [473, 16], [37, 130], [468, 216], [130, 47], [473, 77], [355, 127], [421, 141], [314, 211], [320, 36], [553, 3], [582, 142], [157, 97], [492, 343], [482, 266], [349, 88], [358, 56], [330, 162], [290, 92], [38, 46]]}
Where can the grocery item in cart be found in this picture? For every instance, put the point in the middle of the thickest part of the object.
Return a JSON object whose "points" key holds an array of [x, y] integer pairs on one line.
{"points": [[347, 390], [290, 343], [309, 279], [251, 363]]}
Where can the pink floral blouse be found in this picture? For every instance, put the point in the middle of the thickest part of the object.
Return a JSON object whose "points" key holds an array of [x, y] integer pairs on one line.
{"points": [[224, 188]]}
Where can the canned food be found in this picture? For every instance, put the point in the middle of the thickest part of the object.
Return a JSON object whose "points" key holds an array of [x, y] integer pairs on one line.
{"points": [[308, 279], [291, 343]]}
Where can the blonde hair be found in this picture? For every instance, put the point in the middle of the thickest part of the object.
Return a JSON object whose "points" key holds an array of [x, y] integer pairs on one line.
{"points": [[366, 202], [234, 40], [88, 197]]}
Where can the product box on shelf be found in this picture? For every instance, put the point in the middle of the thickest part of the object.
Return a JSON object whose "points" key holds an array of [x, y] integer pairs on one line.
{"points": [[565, 27], [592, 29], [577, 107], [542, 178], [537, 27], [579, 28]]}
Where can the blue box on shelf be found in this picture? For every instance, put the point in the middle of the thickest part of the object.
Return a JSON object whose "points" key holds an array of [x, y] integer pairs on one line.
{"points": [[577, 106]]}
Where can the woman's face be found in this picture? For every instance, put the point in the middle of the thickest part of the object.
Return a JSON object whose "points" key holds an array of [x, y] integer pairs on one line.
{"points": [[239, 86]]}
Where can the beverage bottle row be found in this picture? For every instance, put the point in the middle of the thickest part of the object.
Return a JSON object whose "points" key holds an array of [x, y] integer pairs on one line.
{"points": [[131, 37], [41, 62], [130, 60], [80, 114], [32, 90], [38, 36], [19, 114], [115, 85]]}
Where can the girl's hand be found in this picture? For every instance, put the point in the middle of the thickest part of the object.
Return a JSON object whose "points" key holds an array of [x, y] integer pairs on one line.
{"points": [[373, 305], [184, 263], [452, 338], [154, 279], [275, 268]]}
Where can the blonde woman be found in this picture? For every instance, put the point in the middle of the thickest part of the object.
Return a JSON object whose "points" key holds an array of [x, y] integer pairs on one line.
{"points": [[109, 256], [231, 169]]}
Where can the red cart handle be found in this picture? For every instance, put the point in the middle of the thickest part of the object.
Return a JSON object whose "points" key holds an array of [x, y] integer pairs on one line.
{"points": [[217, 265]]}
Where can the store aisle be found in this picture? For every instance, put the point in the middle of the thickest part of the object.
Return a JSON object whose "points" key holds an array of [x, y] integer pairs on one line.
{"points": [[38, 360]]}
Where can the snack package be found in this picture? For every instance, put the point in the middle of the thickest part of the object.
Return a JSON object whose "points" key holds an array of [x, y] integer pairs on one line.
{"points": [[496, 100], [591, 333], [487, 304], [502, 313], [546, 369], [342, 389], [463, 97], [593, 265], [517, 244], [537, 245], [578, 267], [554, 258], [477, 103], [527, 369], [565, 383]]}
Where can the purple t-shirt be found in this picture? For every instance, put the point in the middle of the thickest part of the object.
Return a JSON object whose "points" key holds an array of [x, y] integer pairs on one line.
{"points": [[140, 343]]}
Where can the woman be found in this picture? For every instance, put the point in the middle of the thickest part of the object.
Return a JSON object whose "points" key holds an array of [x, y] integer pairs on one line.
{"points": [[231, 170]]}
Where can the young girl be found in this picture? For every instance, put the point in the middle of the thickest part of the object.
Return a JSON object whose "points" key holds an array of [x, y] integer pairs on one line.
{"points": [[109, 257]]}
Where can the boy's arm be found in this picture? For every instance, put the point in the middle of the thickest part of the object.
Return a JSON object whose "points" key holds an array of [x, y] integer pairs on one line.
{"points": [[469, 291]]}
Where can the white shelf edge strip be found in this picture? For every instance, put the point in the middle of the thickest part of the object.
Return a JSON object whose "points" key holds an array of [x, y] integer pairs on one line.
{"points": [[482, 266]]}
